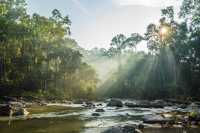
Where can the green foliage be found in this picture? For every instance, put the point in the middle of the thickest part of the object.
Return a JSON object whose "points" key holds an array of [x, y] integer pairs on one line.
{"points": [[171, 69], [120, 42], [37, 55]]}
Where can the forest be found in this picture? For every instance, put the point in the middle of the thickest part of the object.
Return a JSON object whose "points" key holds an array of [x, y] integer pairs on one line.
{"points": [[38, 57], [51, 83]]}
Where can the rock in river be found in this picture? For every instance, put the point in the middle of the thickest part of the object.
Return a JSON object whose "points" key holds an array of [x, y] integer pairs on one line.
{"points": [[115, 103], [13, 108], [20, 111], [143, 105], [5, 110], [140, 126], [157, 119], [95, 114], [124, 129], [78, 102], [114, 130], [89, 104], [99, 110]]}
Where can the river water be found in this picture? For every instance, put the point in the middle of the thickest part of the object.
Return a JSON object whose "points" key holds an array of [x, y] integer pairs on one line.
{"points": [[82, 121]]}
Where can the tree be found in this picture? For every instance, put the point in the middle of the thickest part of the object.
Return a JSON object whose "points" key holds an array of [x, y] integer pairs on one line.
{"points": [[172, 70], [118, 43], [121, 42], [37, 55], [190, 14], [133, 40]]}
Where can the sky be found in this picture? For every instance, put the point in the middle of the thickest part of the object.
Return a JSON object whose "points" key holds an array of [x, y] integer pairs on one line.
{"points": [[96, 22]]}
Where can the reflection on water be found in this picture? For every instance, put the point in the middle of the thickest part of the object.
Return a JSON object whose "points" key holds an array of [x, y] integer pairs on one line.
{"points": [[44, 125], [68, 125], [79, 120]]}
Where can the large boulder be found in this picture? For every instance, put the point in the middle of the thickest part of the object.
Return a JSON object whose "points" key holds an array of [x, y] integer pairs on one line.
{"points": [[115, 103]]}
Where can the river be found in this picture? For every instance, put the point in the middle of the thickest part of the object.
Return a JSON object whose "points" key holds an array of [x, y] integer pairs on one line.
{"points": [[80, 120]]}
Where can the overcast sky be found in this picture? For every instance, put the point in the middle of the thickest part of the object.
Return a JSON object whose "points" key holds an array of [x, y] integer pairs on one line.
{"points": [[95, 22]]}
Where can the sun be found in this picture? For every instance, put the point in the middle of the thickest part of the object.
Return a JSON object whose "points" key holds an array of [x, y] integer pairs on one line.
{"points": [[163, 31]]}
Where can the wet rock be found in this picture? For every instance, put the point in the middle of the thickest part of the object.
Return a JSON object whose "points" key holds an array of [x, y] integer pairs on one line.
{"points": [[95, 114], [146, 104], [175, 101], [5, 110], [119, 129], [167, 115], [13, 108], [132, 105], [161, 103], [158, 102], [193, 107], [115, 103], [129, 129], [198, 103], [141, 126], [42, 103], [100, 104], [99, 110], [65, 102], [20, 111], [78, 102], [182, 106], [114, 130], [7, 99], [16, 104], [89, 104], [157, 119], [31, 99]]}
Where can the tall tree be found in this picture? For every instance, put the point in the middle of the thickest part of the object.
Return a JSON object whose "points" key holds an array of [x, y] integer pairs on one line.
{"points": [[134, 40]]}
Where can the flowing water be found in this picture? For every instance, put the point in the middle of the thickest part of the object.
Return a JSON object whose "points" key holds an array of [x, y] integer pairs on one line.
{"points": [[77, 120]]}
